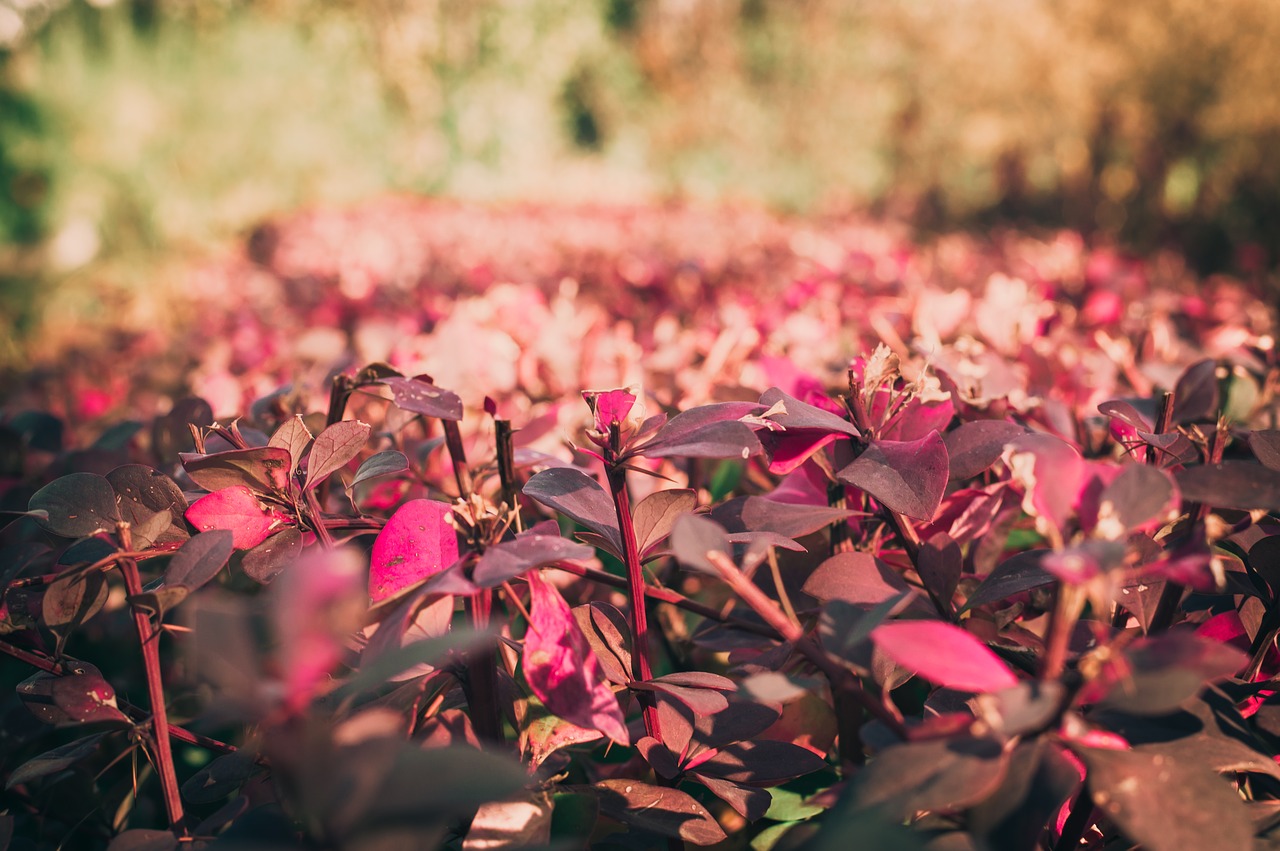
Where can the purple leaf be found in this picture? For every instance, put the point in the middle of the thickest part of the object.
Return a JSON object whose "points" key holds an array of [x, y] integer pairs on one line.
{"points": [[295, 437], [264, 469], [976, 445], [940, 565], [1265, 444], [1138, 495], [333, 448], [561, 668], [857, 578], [1196, 808], [790, 520], [51, 762], [804, 430], [762, 763], [938, 775], [580, 498], [150, 503], [1243, 485], [655, 514], [529, 550], [709, 431], [265, 561], [1018, 573], [659, 809], [1196, 395], [909, 477], [702, 701], [423, 397], [749, 802], [415, 544], [239, 510], [384, 463], [200, 559], [943, 654], [1164, 671], [693, 536], [76, 506], [1139, 414]]}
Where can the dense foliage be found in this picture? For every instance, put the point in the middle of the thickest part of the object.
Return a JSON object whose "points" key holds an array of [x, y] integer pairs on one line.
{"points": [[453, 527]]}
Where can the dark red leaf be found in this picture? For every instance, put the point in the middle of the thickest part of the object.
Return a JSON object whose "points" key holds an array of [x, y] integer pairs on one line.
{"points": [[940, 565], [333, 448], [265, 469], [265, 561], [1196, 395], [693, 536], [939, 775], [762, 763], [1265, 444], [415, 544], [709, 431], [701, 700], [82, 696], [1242, 485], [1139, 494], [654, 515], [77, 505], [1163, 804], [561, 668], [857, 578], [908, 476], [423, 397], [1161, 672], [750, 802], [142, 839], [659, 809], [608, 633], [976, 445], [239, 510], [200, 559], [1020, 572], [580, 498], [529, 550], [790, 520], [943, 654], [51, 762], [151, 503], [295, 437]]}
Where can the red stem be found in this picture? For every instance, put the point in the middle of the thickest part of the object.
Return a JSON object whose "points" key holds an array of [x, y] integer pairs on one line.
{"points": [[641, 666], [149, 642]]}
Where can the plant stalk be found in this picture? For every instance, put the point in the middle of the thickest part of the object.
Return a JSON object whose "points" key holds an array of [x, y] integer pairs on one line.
{"points": [[149, 643]]}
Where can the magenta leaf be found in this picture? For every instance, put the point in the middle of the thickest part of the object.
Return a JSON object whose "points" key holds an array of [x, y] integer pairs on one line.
{"points": [[529, 550], [580, 498], [561, 668], [610, 407], [1052, 475], [943, 654], [264, 469], [239, 509], [909, 477], [76, 506], [333, 448], [976, 445], [416, 544], [423, 397], [200, 559]]}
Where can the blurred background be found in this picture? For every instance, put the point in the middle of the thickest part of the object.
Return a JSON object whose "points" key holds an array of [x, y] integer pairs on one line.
{"points": [[137, 132]]}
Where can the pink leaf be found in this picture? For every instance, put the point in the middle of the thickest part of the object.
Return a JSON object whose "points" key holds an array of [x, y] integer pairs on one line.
{"points": [[238, 509], [943, 654], [610, 407], [561, 668], [415, 544]]}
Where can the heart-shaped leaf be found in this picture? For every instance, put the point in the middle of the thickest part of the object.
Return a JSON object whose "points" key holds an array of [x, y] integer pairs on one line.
{"points": [[416, 543], [77, 505], [908, 476], [333, 448]]}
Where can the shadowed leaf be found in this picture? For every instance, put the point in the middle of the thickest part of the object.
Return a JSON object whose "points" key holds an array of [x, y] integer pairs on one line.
{"points": [[77, 505], [857, 578], [81, 696], [976, 445], [790, 520], [1018, 573], [1243, 485], [265, 469], [692, 537], [940, 775], [151, 503], [908, 476], [529, 550], [580, 498], [655, 514], [200, 559], [659, 809], [333, 448], [51, 762], [265, 561], [1196, 395]]}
